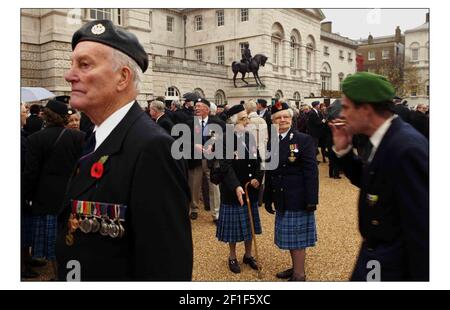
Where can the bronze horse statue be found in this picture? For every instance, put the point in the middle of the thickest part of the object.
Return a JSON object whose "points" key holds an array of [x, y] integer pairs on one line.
{"points": [[243, 68]]}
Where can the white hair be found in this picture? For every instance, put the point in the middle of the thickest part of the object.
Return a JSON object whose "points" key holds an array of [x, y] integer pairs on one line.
{"points": [[177, 104], [158, 106], [212, 108], [120, 60], [291, 113], [250, 106]]}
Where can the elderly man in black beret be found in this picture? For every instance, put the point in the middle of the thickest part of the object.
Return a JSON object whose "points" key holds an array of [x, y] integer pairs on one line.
{"points": [[293, 187], [392, 175], [126, 211]]}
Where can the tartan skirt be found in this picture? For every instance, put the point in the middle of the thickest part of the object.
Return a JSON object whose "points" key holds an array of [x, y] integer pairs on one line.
{"points": [[233, 224], [295, 230], [44, 237]]}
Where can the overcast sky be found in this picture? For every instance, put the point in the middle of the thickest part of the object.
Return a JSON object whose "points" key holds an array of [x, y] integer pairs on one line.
{"points": [[358, 23]]}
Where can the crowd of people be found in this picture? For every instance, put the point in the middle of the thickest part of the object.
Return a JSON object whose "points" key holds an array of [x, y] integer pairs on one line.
{"points": [[102, 187]]}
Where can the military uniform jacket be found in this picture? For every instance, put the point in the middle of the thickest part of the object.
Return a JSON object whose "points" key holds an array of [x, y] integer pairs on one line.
{"points": [[141, 174], [238, 171], [293, 184], [394, 203]]}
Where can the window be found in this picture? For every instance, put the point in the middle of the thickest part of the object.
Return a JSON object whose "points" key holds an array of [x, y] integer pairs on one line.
{"points": [[428, 90], [244, 15], [219, 97], [371, 55], [172, 92], [341, 79], [114, 15], [220, 54], [293, 53], [297, 96], [170, 53], [308, 62], [414, 91], [198, 54], [385, 54], [415, 54], [279, 95], [198, 23], [220, 18], [349, 56], [341, 54], [275, 46], [169, 23], [325, 51]]}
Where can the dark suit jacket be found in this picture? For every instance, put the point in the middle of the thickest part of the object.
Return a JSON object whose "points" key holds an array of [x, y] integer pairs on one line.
{"points": [[421, 123], [396, 227], [268, 118], [293, 185], [314, 124], [141, 174], [237, 172], [403, 112], [33, 124], [48, 167], [165, 122]]}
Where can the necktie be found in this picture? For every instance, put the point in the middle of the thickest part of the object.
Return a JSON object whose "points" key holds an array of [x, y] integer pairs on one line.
{"points": [[280, 137], [88, 147], [367, 150]]}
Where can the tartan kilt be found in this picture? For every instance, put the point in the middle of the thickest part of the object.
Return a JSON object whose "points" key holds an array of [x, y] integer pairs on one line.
{"points": [[44, 237], [295, 230], [233, 224]]}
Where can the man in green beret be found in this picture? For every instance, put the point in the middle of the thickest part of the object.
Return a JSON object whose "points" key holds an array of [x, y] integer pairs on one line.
{"points": [[392, 175]]}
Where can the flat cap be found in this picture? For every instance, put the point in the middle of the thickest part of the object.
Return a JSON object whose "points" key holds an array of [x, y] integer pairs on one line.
{"points": [[235, 109], [57, 106], [103, 31], [261, 101], [279, 106], [203, 100], [315, 103], [366, 87]]}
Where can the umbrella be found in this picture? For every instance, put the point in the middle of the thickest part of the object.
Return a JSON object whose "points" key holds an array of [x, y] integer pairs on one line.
{"points": [[193, 96], [334, 110], [34, 94]]}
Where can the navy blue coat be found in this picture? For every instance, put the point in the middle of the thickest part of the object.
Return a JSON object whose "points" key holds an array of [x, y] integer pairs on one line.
{"points": [[395, 227], [293, 185]]}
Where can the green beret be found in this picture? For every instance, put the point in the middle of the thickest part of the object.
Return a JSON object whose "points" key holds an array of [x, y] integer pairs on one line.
{"points": [[105, 32], [366, 87]]}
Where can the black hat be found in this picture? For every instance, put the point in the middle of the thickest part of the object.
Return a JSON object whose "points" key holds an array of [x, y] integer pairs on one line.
{"points": [[203, 100], [261, 101], [235, 109], [104, 31], [57, 106], [315, 103], [221, 106], [279, 106], [242, 102], [64, 99]]}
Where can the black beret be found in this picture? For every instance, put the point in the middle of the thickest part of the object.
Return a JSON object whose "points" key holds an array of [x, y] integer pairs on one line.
{"points": [[314, 103], [235, 109], [279, 106], [57, 106], [203, 100], [103, 31], [242, 102], [263, 101], [64, 99]]}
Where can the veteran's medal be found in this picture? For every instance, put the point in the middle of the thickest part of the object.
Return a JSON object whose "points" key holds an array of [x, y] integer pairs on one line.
{"points": [[113, 230], [372, 200], [103, 228], [95, 225], [292, 157]]}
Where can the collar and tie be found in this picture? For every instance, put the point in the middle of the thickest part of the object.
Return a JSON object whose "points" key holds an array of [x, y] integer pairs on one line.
{"points": [[367, 151], [88, 148]]}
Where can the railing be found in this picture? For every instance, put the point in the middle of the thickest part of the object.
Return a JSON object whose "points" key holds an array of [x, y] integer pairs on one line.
{"points": [[177, 65]]}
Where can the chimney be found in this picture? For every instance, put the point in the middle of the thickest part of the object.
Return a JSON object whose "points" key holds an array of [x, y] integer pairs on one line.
{"points": [[398, 34], [427, 18], [370, 39], [326, 26]]}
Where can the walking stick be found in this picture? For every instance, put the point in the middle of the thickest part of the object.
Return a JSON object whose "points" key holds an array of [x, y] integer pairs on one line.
{"points": [[252, 224]]}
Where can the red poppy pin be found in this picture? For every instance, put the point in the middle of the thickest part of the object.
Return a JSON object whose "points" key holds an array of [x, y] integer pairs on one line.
{"points": [[278, 105], [97, 168]]}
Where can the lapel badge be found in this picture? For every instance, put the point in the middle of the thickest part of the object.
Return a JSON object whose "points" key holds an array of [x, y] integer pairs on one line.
{"points": [[372, 200], [98, 29], [291, 136]]}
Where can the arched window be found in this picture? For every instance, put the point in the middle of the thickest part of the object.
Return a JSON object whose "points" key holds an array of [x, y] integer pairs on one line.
{"points": [[310, 58], [325, 75], [219, 97], [172, 93], [341, 79], [414, 51], [277, 37], [295, 49], [200, 92], [297, 96], [278, 95]]}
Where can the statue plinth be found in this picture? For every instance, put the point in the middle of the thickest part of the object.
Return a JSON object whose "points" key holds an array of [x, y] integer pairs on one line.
{"points": [[235, 95]]}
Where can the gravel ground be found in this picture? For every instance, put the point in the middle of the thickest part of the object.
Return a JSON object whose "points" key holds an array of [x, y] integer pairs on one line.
{"points": [[332, 258]]}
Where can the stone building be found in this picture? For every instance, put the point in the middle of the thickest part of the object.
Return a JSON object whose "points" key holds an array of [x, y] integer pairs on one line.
{"points": [[192, 49], [417, 55]]}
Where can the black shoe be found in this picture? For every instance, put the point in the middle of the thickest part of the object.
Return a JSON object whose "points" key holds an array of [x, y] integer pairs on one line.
{"points": [[29, 274], [194, 215], [296, 279], [233, 264], [285, 274], [250, 261]]}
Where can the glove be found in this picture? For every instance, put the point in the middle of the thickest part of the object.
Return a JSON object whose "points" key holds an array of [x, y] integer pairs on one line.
{"points": [[268, 207]]}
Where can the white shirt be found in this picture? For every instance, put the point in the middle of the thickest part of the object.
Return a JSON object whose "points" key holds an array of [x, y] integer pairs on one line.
{"points": [[283, 135], [103, 131], [375, 139], [262, 112]]}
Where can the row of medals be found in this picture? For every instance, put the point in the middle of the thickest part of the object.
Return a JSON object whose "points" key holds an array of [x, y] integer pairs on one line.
{"points": [[86, 224]]}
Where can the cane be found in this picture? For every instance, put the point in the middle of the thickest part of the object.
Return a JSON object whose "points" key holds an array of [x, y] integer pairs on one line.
{"points": [[252, 224]]}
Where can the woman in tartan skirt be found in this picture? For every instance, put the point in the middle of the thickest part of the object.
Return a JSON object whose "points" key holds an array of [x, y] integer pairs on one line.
{"points": [[293, 188], [234, 224]]}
